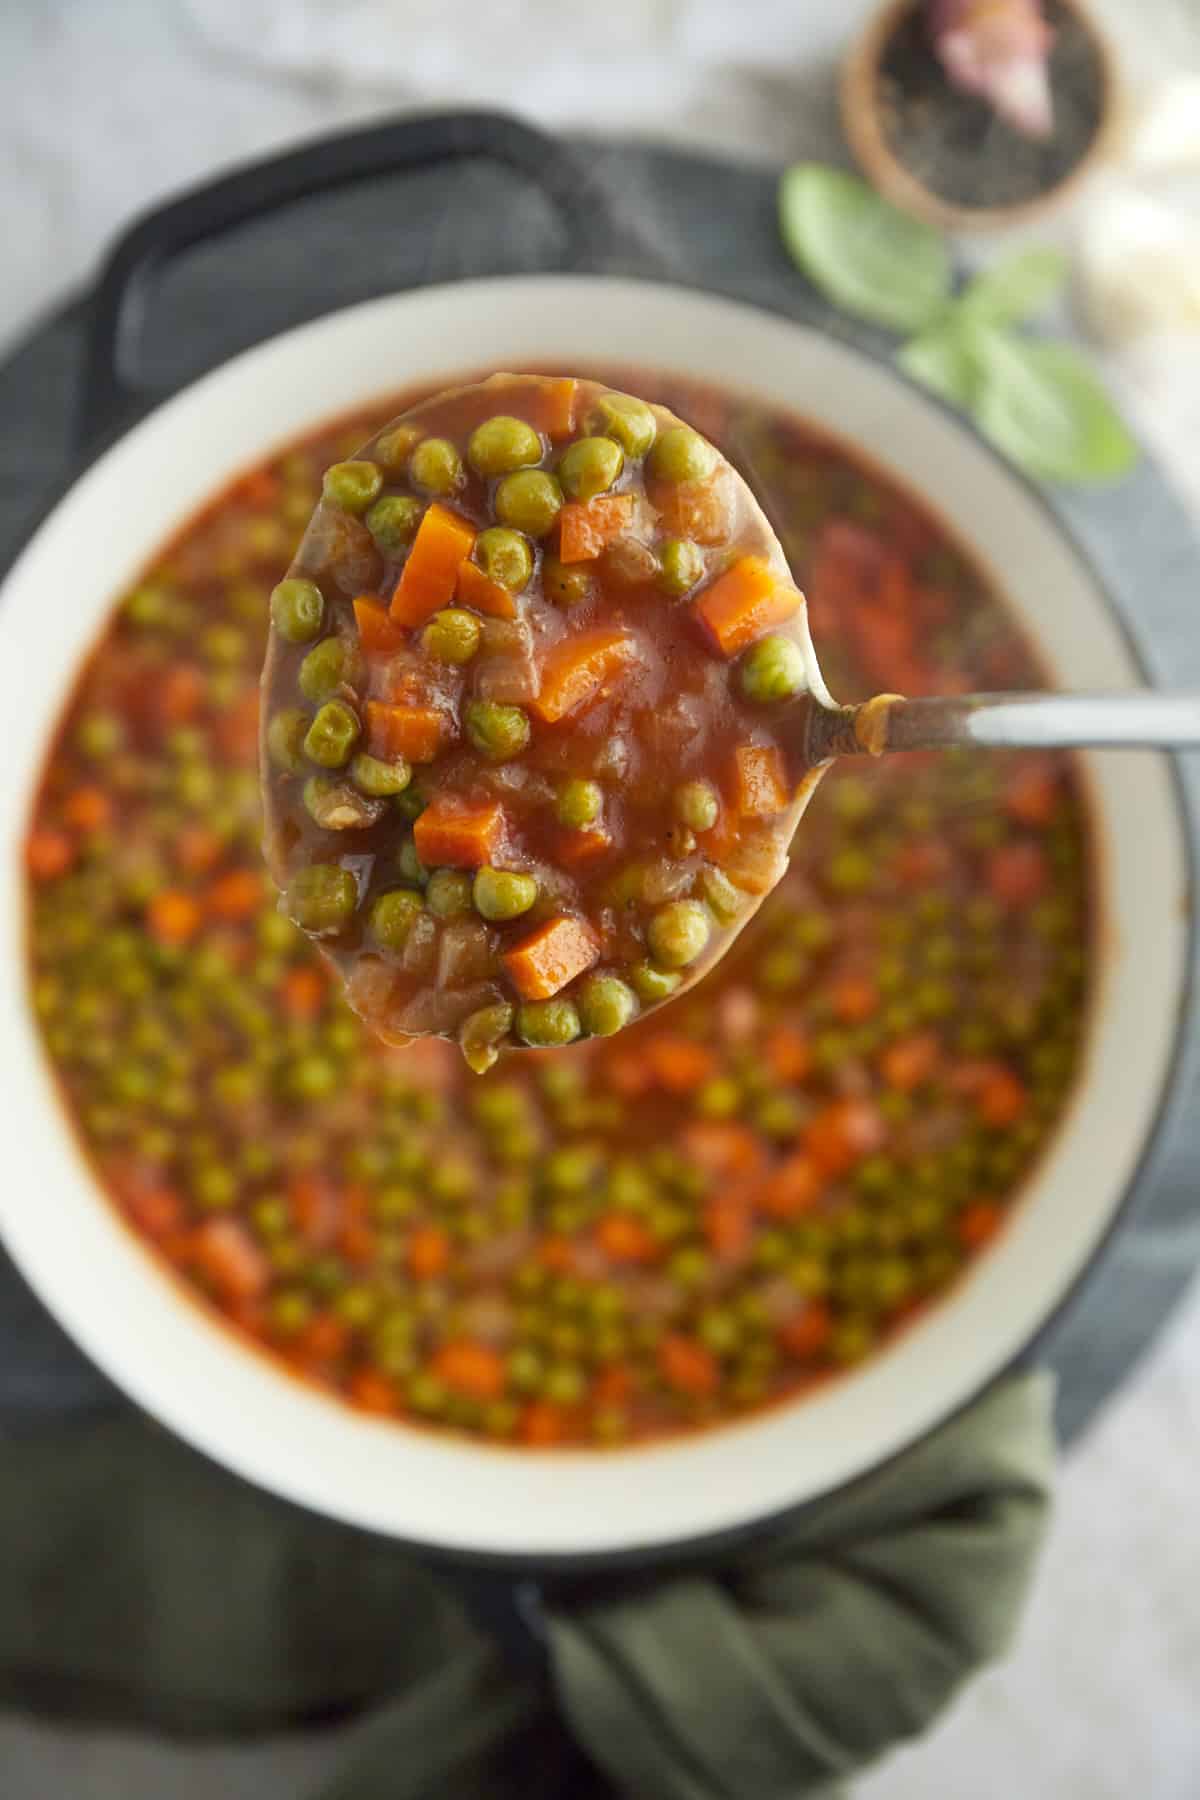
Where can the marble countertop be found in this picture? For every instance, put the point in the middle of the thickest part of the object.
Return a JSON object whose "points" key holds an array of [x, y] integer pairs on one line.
{"points": [[110, 106]]}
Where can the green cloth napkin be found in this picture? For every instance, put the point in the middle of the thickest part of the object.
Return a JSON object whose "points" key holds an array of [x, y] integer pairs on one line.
{"points": [[142, 1585]]}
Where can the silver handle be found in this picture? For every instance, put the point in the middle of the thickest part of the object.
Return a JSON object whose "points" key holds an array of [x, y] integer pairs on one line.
{"points": [[1136, 720]]}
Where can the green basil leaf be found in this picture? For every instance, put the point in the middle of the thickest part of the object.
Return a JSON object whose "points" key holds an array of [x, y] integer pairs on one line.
{"points": [[942, 361], [1043, 406], [862, 253], [1016, 288]]}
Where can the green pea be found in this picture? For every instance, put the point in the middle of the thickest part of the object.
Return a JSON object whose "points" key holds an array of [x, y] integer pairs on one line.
{"points": [[696, 804], [564, 1384], [505, 557], [542, 1023], [589, 466], [395, 447], [678, 932], [100, 735], [650, 983], [725, 900], [529, 501], [336, 806], [481, 1035], [436, 466], [452, 635], [411, 804], [393, 916], [332, 735], [410, 865], [289, 1311], [297, 610], [393, 521], [681, 565], [579, 803], [772, 669], [383, 779], [498, 732], [606, 1005], [328, 666], [502, 444], [352, 485], [565, 584], [322, 897], [850, 871], [285, 739], [448, 893], [627, 419], [503, 894], [681, 454]]}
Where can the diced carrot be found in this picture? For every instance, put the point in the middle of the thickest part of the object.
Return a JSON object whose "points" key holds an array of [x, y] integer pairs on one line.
{"points": [[999, 1094], [372, 1392], [583, 844], [357, 1243], [198, 849], [586, 527], [88, 809], [793, 1187], [455, 833], [613, 1384], [760, 786], [416, 732], [549, 957], [48, 853], [579, 669], [430, 575], [157, 1210], [843, 1133], [728, 1226], [787, 1052], [744, 603], [378, 632], [258, 488], [628, 1073], [687, 1365], [173, 917], [324, 1339], [978, 1223], [236, 729], [807, 1334], [680, 1064], [910, 1061], [428, 1252], [225, 1253], [475, 590], [313, 1205], [1017, 874], [1002, 1099], [1031, 793], [853, 999], [552, 408], [921, 863], [557, 1254], [471, 1368], [179, 693], [624, 1237], [542, 1424], [723, 1147], [700, 510], [301, 992], [237, 895]]}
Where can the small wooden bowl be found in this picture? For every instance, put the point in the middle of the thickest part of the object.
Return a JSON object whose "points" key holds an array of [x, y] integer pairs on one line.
{"points": [[864, 132]]}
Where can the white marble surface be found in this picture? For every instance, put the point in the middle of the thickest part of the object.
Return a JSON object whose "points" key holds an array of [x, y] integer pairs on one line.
{"points": [[108, 105]]}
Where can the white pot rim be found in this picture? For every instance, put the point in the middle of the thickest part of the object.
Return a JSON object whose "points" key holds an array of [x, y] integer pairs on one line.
{"points": [[581, 1508]]}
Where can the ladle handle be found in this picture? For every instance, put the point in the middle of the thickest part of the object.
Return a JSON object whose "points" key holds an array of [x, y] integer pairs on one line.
{"points": [[1138, 720]]}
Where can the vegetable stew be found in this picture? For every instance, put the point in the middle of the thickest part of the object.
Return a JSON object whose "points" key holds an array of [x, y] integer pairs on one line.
{"points": [[710, 1211], [536, 696]]}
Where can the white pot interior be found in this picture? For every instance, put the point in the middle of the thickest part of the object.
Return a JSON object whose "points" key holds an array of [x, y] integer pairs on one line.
{"points": [[186, 1369]]}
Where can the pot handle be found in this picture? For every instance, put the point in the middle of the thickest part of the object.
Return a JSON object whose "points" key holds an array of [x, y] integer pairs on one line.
{"points": [[109, 396]]}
